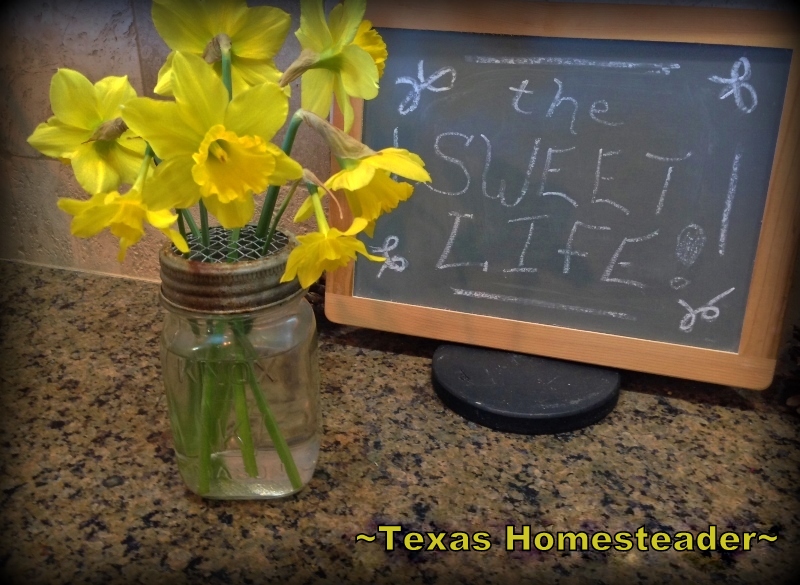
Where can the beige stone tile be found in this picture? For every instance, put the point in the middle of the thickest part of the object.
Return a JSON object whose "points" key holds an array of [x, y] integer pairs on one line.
{"points": [[152, 49], [35, 230], [95, 37]]}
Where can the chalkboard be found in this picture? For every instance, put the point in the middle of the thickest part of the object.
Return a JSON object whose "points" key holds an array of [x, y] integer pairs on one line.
{"points": [[598, 185]]}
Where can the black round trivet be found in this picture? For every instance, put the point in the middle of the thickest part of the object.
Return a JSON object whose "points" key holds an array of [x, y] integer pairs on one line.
{"points": [[521, 393]]}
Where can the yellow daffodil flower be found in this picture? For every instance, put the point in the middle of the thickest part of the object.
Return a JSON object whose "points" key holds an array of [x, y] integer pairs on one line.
{"points": [[369, 189], [319, 252], [190, 26], [87, 131], [124, 215], [212, 148], [342, 57], [365, 174]]}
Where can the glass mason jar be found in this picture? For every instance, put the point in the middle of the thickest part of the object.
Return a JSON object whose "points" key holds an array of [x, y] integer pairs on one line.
{"points": [[240, 369]]}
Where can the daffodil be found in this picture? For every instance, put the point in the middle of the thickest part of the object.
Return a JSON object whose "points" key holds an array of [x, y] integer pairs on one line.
{"points": [[325, 250], [365, 175], [191, 26], [368, 187], [86, 130], [367, 184], [124, 215], [342, 57], [213, 149]]}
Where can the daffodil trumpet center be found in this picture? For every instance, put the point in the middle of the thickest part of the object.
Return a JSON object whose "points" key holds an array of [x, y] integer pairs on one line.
{"points": [[217, 150], [231, 166]]}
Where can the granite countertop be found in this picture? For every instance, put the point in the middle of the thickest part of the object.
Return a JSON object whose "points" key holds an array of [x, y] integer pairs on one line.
{"points": [[91, 491]]}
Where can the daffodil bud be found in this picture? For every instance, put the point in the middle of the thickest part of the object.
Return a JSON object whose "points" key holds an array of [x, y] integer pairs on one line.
{"points": [[342, 145], [110, 130]]}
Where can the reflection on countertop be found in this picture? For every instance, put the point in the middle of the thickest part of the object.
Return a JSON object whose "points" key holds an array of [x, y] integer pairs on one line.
{"points": [[91, 491]]}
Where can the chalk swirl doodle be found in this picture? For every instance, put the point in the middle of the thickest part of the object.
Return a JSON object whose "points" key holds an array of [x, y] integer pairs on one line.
{"points": [[736, 83], [396, 263], [411, 101], [707, 312]]}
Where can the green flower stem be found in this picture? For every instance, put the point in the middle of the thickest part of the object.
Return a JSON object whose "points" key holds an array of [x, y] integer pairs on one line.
{"points": [[243, 431], [143, 168], [187, 217], [233, 245], [181, 226], [226, 71], [277, 218], [209, 378], [214, 402], [149, 149], [274, 432], [271, 197], [281, 447], [319, 213], [204, 224]]}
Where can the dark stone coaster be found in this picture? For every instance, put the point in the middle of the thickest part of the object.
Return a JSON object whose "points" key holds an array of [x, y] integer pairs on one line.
{"points": [[520, 393]]}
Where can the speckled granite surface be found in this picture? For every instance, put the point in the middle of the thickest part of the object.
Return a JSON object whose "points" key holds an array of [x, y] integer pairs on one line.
{"points": [[91, 492]]}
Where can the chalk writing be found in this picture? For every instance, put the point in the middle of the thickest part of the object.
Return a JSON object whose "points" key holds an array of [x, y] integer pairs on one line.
{"points": [[411, 101], [663, 196], [615, 262], [450, 159], [595, 109], [396, 263], [557, 101], [679, 282], [501, 192], [659, 68], [568, 252], [598, 177], [544, 304], [548, 168], [521, 266], [726, 212], [735, 83], [449, 245], [707, 312], [519, 91], [582, 183], [690, 243]]}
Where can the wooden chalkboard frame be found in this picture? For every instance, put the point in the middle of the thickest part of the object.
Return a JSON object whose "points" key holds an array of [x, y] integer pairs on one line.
{"points": [[753, 365]]}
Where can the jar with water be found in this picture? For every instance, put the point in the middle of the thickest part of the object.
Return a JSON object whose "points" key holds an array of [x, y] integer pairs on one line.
{"points": [[240, 369]]}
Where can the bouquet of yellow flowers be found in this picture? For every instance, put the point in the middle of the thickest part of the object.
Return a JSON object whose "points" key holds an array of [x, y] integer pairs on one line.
{"points": [[146, 160], [207, 146]]}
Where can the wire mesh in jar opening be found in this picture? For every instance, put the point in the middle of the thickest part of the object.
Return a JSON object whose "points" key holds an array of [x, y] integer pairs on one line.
{"points": [[220, 248]]}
